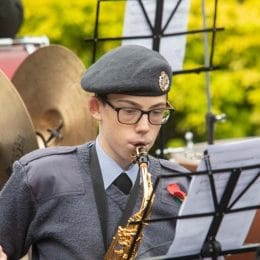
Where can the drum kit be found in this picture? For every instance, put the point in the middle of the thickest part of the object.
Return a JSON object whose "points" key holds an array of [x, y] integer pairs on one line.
{"points": [[43, 105]]}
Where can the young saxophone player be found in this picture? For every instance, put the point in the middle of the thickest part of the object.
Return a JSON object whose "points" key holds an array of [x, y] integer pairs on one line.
{"points": [[67, 202]]}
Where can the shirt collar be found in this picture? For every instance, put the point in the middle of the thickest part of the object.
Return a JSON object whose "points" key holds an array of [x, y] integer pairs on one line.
{"points": [[110, 169]]}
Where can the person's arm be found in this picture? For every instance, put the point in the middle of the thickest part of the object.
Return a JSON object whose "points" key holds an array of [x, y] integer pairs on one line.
{"points": [[16, 212], [3, 256]]}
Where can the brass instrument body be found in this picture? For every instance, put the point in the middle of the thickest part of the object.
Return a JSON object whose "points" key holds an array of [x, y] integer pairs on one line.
{"points": [[127, 239]]}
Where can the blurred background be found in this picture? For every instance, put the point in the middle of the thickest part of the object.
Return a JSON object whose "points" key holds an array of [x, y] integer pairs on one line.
{"points": [[235, 86], [230, 92]]}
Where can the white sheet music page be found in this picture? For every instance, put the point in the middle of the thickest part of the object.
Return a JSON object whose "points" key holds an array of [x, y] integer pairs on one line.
{"points": [[191, 233], [171, 47]]}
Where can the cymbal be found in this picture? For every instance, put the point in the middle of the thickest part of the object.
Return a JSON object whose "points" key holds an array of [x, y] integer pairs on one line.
{"points": [[17, 136], [48, 81]]}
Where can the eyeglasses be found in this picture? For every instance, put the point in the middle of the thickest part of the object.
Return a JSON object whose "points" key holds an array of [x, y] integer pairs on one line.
{"points": [[130, 116]]}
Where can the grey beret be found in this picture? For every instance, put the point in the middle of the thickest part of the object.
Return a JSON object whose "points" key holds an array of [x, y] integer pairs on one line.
{"points": [[129, 69]]}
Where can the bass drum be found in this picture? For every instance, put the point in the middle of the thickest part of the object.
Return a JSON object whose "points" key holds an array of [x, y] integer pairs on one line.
{"points": [[14, 51]]}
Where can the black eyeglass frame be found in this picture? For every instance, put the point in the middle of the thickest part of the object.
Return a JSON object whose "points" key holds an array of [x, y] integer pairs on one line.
{"points": [[117, 109]]}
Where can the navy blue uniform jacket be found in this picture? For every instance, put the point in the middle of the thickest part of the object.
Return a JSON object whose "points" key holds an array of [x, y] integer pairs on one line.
{"points": [[49, 203]]}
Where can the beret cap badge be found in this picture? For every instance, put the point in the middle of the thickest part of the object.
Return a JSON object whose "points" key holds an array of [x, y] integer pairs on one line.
{"points": [[164, 81]]}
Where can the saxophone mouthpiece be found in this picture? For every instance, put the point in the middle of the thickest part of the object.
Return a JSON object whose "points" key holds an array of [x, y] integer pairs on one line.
{"points": [[141, 154], [139, 149]]}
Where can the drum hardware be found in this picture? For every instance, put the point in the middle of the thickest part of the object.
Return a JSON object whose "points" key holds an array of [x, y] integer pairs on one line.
{"points": [[211, 119], [191, 155], [188, 156], [35, 41], [189, 139], [54, 133]]}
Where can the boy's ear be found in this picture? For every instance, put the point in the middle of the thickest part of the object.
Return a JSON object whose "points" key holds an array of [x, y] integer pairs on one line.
{"points": [[94, 107]]}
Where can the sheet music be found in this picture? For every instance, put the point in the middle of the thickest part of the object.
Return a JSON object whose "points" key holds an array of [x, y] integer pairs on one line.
{"points": [[172, 47], [191, 233]]}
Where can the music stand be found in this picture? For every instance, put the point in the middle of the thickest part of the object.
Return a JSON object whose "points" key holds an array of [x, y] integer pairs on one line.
{"points": [[156, 34], [223, 205]]}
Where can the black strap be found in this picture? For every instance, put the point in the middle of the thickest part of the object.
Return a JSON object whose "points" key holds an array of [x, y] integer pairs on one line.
{"points": [[130, 203], [100, 196], [99, 192]]}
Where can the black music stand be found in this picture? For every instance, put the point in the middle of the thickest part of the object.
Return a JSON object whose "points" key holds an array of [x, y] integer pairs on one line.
{"points": [[211, 247], [156, 34]]}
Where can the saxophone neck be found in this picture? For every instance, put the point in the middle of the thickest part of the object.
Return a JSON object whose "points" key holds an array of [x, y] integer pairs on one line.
{"points": [[142, 160]]}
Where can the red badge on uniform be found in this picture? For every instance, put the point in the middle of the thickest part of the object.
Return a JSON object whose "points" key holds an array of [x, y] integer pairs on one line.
{"points": [[175, 191]]}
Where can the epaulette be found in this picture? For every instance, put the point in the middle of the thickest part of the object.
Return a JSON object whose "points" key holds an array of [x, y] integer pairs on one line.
{"points": [[40, 153], [176, 168], [172, 166]]}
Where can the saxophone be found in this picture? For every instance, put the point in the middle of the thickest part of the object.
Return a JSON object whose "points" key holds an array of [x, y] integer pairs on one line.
{"points": [[127, 239]]}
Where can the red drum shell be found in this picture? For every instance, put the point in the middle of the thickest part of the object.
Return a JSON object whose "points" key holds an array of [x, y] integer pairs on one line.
{"points": [[11, 57]]}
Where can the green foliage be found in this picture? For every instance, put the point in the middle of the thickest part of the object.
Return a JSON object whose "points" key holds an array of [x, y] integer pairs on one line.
{"points": [[234, 89], [70, 23]]}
